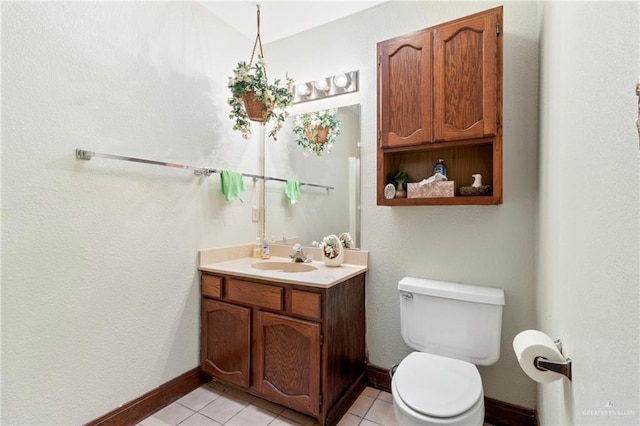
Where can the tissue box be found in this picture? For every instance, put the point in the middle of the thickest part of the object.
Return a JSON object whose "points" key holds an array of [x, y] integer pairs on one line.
{"points": [[431, 190]]}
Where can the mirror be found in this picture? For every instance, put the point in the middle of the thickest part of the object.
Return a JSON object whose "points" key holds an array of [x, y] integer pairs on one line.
{"points": [[319, 212]]}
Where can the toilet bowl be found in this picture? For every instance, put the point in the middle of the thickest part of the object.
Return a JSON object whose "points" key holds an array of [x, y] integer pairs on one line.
{"points": [[452, 327], [430, 389]]}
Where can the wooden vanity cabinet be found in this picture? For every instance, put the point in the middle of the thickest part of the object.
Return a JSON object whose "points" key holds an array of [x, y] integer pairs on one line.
{"points": [[287, 361], [440, 96], [225, 352], [298, 346]]}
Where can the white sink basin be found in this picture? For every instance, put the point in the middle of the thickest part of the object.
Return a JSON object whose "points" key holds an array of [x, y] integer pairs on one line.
{"points": [[283, 266]]}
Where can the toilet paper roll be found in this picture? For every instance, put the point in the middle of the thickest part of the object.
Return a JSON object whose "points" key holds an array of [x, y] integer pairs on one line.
{"points": [[530, 344]]}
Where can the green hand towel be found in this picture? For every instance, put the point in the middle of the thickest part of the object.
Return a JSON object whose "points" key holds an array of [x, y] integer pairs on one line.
{"points": [[231, 184], [293, 190]]}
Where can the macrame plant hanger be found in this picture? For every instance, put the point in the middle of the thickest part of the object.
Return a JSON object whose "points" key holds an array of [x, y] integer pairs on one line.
{"points": [[255, 108], [258, 41]]}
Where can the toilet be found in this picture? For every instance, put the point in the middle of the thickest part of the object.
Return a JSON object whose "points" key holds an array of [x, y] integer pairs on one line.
{"points": [[452, 327]]}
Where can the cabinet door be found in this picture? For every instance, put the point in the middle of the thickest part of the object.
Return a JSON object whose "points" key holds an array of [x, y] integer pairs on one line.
{"points": [[405, 90], [465, 78], [225, 341], [287, 361]]}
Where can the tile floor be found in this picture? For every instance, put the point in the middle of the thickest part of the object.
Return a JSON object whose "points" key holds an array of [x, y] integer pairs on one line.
{"points": [[215, 404]]}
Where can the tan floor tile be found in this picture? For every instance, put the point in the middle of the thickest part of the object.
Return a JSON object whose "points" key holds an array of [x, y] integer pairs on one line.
{"points": [[372, 392], [349, 420], [252, 415], [385, 396], [361, 405], [199, 398], [171, 415], [199, 420], [382, 412], [366, 422], [224, 408]]}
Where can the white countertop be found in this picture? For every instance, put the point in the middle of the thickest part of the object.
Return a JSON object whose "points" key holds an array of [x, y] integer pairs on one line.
{"points": [[236, 261]]}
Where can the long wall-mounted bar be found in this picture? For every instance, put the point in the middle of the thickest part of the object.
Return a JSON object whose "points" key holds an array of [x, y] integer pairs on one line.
{"points": [[82, 154]]}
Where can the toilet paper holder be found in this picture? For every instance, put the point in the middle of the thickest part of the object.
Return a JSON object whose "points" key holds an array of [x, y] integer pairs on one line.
{"points": [[560, 367]]}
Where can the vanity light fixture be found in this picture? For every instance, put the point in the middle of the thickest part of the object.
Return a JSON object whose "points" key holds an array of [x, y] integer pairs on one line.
{"points": [[338, 84]]}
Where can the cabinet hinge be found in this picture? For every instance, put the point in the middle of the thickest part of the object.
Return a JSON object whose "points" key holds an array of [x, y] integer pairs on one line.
{"points": [[321, 400], [321, 339], [498, 28], [379, 59], [497, 118]]}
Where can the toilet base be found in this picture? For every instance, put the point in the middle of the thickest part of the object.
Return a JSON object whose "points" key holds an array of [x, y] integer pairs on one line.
{"points": [[407, 416]]}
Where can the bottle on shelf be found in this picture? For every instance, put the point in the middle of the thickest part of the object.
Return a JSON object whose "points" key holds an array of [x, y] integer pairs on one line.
{"points": [[440, 167]]}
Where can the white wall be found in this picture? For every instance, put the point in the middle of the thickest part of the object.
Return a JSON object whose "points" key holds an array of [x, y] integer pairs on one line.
{"points": [[486, 245], [100, 295], [588, 271]]}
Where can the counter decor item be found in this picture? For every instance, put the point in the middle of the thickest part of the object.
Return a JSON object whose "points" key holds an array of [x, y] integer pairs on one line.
{"points": [[254, 98], [399, 181], [389, 191], [476, 188], [332, 251], [316, 132], [346, 240]]}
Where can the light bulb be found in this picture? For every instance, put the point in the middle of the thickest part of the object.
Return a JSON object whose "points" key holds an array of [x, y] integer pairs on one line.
{"points": [[321, 84], [302, 89], [341, 80]]}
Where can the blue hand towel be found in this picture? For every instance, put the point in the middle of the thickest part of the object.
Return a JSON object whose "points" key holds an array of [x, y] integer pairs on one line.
{"points": [[231, 185]]}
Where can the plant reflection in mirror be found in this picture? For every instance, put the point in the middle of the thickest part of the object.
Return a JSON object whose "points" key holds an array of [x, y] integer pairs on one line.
{"points": [[316, 132]]}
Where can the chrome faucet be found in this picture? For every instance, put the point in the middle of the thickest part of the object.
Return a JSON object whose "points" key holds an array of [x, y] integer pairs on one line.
{"points": [[298, 255]]}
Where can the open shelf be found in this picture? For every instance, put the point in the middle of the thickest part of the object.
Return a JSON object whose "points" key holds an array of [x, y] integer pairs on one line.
{"points": [[462, 158]]}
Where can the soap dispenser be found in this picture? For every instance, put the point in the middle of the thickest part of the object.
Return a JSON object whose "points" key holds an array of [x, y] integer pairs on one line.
{"points": [[266, 254]]}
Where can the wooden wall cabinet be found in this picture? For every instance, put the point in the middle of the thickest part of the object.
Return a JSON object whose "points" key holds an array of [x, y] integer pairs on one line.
{"points": [[440, 96], [298, 346]]}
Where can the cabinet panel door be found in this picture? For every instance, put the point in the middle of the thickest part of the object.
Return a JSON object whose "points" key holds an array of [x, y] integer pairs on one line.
{"points": [[225, 341], [466, 76], [287, 361], [405, 90]]}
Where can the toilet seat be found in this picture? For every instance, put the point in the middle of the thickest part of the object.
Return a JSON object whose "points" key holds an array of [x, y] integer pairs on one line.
{"points": [[437, 386]]}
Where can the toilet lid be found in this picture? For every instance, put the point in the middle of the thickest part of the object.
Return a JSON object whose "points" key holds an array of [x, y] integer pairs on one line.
{"points": [[437, 386]]}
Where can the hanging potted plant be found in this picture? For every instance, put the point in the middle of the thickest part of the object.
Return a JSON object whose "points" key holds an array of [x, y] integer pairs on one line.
{"points": [[253, 98], [316, 132]]}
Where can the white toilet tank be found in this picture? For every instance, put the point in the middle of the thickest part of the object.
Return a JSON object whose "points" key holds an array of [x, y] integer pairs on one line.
{"points": [[454, 320]]}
